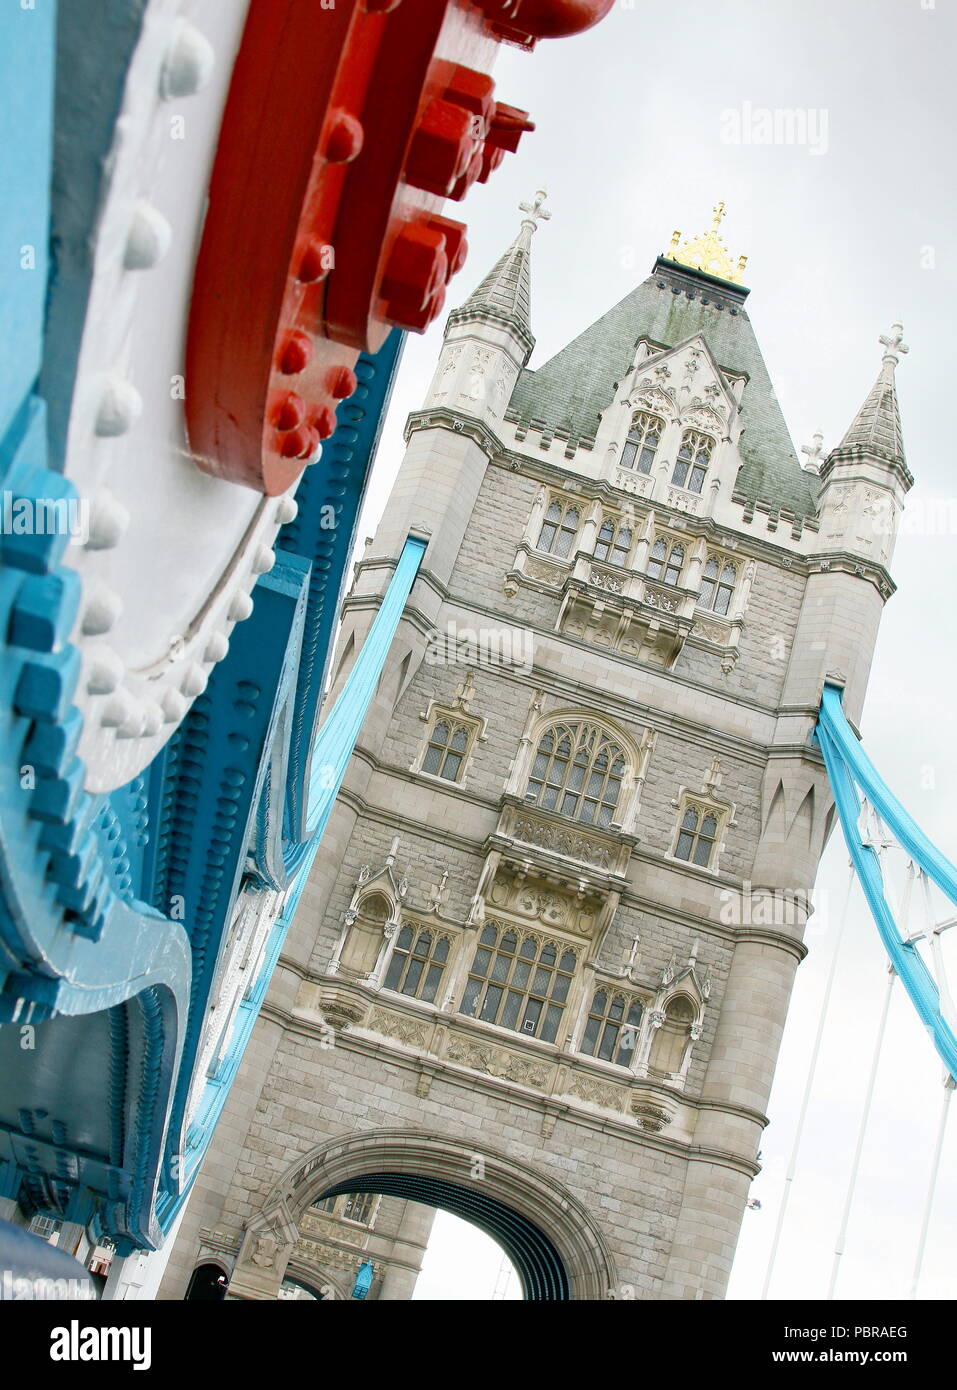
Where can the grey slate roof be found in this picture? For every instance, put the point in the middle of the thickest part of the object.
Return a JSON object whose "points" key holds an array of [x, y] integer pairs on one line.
{"points": [[877, 425], [570, 390]]}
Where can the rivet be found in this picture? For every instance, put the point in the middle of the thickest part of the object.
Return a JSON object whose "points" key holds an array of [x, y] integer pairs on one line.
{"points": [[315, 262], [106, 671], [148, 239], [296, 354], [152, 718], [110, 520], [240, 608], [341, 382], [118, 710], [174, 706], [195, 680], [188, 64], [325, 422], [216, 647], [102, 611], [290, 412], [343, 137], [263, 560], [120, 407], [299, 443], [287, 509]]}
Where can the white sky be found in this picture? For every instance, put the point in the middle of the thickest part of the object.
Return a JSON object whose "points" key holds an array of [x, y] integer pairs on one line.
{"points": [[841, 243]]}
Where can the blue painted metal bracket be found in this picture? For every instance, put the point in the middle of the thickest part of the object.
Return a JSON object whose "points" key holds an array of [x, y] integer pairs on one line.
{"points": [[851, 772]]}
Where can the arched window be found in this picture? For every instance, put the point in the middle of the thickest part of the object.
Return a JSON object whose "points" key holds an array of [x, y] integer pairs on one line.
{"points": [[611, 1030], [665, 562], [446, 749], [692, 462], [559, 529], [519, 982], [696, 836], [717, 585], [578, 770], [418, 960], [642, 442], [614, 542]]}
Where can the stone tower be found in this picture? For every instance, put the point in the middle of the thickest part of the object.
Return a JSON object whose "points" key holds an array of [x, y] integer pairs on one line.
{"points": [[541, 970]]}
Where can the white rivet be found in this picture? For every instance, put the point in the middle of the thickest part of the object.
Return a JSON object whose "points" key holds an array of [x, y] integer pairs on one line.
{"points": [[148, 239], [216, 647], [118, 710], [110, 520], [120, 407], [102, 610], [134, 726], [174, 706], [240, 608], [194, 681], [286, 509], [188, 62], [152, 718], [106, 671], [263, 560]]}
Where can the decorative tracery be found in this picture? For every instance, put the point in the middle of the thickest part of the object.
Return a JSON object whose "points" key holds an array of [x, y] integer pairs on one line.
{"points": [[578, 771], [519, 981], [692, 462], [642, 442], [559, 529], [717, 585]]}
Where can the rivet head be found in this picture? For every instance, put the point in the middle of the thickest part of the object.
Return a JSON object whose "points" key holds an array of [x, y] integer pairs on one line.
{"points": [[102, 610], [299, 443], [263, 560], [240, 608], [290, 412], [106, 672], [343, 137], [110, 520], [188, 64], [287, 509], [120, 407], [194, 680], [152, 718], [315, 262], [325, 422], [120, 708], [216, 647], [296, 354], [148, 239], [174, 706], [341, 382]]}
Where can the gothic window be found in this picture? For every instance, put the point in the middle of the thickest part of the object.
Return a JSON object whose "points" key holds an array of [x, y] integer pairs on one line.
{"points": [[697, 835], [642, 442], [717, 585], [611, 1029], [519, 982], [666, 561], [578, 770], [692, 462], [559, 529], [447, 748], [614, 542], [670, 1042], [418, 959]]}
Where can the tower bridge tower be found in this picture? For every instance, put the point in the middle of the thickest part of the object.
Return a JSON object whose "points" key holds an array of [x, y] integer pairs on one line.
{"points": [[540, 973]]}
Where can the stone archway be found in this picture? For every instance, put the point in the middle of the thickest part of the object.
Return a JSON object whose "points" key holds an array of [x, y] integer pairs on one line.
{"points": [[555, 1245]]}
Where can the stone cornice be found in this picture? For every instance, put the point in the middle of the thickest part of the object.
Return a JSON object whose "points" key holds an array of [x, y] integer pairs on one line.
{"points": [[846, 562], [546, 1102]]}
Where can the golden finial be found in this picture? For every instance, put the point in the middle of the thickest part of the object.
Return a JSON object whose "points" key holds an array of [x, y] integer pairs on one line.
{"points": [[708, 252]]}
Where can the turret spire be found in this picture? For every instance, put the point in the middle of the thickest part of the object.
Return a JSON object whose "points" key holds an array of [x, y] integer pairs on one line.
{"points": [[876, 428], [505, 294]]}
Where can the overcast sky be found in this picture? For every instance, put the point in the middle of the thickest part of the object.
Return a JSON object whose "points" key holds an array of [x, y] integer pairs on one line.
{"points": [[845, 233]]}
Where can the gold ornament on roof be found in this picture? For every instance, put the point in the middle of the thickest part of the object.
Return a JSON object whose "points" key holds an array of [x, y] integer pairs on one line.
{"points": [[708, 252]]}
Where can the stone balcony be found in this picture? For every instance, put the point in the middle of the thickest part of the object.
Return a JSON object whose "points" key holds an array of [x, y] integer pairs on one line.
{"points": [[624, 611]]}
